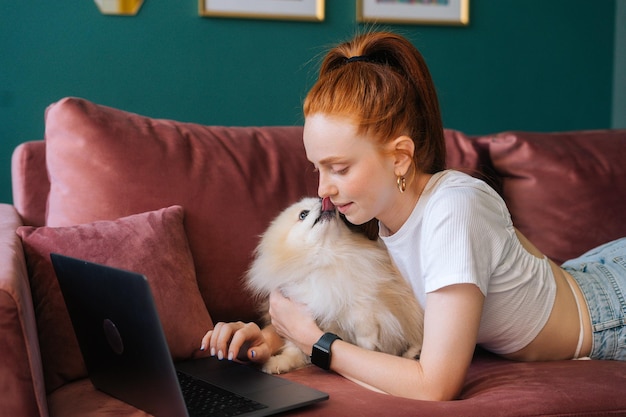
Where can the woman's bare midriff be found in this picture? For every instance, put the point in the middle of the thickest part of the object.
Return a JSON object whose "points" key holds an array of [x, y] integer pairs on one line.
{"points": [[559, 337]]}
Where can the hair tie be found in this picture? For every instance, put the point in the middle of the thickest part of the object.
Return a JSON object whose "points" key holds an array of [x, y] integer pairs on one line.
{"points": [[358, 58]]}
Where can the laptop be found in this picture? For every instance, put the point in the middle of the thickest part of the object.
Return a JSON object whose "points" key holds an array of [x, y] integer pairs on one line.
{"points": [[126, 354]]}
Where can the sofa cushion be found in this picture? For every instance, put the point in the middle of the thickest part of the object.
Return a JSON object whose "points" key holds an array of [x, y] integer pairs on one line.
{"points": [[153, 244], [494, 387], [105, 163], [565, 191], [470, 154]]}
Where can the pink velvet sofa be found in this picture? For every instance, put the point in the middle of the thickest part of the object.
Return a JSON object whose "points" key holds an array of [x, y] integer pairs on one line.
{"points": [[185, 204]]}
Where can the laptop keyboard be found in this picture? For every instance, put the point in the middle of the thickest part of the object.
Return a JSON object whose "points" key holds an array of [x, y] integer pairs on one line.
{"points": [[203, 399]]}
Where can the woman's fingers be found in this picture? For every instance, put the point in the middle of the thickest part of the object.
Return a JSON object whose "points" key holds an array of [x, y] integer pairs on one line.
{"points": [[243, 341]]}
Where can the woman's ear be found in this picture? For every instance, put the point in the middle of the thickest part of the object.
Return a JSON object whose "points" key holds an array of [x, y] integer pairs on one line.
{"points": [[403, 150]]}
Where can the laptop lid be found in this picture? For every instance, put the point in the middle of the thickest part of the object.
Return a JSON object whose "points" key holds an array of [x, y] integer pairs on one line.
{"points": [[126, 353]]}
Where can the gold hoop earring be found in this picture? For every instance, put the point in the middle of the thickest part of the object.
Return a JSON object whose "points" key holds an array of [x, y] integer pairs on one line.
{"points": [[401, 182]]}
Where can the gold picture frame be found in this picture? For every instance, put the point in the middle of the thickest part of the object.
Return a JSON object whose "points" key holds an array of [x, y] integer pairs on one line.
{"points": [[307, 10], [425, 12], [119, 7]]}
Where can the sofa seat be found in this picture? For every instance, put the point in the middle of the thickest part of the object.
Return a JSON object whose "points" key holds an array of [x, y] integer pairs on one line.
{"points": [[494, 387]]}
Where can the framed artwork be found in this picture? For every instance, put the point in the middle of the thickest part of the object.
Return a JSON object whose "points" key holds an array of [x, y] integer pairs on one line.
{"points": [[312, 10], [430, 12], [119, 7]]}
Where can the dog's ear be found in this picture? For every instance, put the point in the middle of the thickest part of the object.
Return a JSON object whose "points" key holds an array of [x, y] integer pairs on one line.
{"points": [[369, 229]]}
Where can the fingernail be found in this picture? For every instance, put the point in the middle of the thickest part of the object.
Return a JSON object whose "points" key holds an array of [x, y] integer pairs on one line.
{"points": [[230, 356], [252, 354], [220, 355], [202, 348], [212, 351]]}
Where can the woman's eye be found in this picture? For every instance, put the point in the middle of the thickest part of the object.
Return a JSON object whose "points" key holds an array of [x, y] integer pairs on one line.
{"points": [[303, 214], [340, 170]]}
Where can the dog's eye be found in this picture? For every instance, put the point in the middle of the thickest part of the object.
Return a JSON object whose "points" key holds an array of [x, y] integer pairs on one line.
{"points": [[303, 214]]}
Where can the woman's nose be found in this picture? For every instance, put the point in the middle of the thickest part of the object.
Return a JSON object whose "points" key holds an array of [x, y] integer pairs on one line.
{"points": [[325, 187]]}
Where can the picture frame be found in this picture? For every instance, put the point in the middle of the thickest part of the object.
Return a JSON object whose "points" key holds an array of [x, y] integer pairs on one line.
{"points": [[425, 12], [119, 7], [307, 10]]}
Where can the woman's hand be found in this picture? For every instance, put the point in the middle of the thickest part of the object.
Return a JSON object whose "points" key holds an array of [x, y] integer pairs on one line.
{"points": [[243, 341], [294, 322]]}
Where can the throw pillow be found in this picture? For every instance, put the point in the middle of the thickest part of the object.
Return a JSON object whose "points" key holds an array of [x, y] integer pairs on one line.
{"points": [[565, 191], [153, 244]]}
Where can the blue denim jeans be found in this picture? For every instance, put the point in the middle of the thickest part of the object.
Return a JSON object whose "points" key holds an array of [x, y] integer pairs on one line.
{"points": [[601, 275]]}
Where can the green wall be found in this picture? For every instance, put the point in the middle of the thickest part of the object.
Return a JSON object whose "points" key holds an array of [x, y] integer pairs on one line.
{"points": [[619, 68], [521, 64]]}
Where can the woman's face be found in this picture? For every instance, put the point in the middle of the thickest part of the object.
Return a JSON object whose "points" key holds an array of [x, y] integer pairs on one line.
{"points": [[353, 170]]}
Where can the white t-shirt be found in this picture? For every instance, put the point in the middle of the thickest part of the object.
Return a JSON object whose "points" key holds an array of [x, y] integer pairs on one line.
{"points": [[459, 232]]}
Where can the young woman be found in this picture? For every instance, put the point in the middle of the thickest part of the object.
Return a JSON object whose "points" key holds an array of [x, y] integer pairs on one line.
{"points": [[374, 132]]}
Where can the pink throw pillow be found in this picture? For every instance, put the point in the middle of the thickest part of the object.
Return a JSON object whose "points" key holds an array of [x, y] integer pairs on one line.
{"points": [[565, 191], [153, 244]]}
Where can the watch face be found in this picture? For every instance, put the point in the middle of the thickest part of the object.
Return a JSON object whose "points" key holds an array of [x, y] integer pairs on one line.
{"points": [[320, 356], [323, 350]]}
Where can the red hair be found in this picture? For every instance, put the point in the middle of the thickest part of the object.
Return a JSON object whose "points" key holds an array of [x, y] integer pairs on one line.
{"points": [[387, 91]]}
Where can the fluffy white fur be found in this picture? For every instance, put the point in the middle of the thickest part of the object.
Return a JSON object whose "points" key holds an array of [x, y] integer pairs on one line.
{"points": [[348, 282]]}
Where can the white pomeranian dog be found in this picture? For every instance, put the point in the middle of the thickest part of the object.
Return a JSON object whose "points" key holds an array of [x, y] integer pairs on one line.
{"points": [[348, 282]]}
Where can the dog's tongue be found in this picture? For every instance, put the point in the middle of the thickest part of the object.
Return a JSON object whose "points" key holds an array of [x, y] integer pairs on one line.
{"points": [[327, 205]]}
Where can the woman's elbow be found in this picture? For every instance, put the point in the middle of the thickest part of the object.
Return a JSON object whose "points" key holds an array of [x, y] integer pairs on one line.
{"points": [[442, 396], [436, 392]]}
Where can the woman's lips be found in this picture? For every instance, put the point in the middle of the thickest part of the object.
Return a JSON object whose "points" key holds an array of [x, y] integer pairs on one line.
{"points": [[343, 208]]}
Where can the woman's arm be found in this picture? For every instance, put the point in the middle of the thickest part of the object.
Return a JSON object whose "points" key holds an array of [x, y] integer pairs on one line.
{"points": [[451, 321]]}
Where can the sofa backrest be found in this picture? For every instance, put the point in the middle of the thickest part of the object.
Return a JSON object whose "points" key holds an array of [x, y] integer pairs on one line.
{"points": [[565, 191]]}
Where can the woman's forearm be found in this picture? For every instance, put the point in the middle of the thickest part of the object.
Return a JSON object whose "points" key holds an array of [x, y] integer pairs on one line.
{"points": [[450, 328], [390, 374]]}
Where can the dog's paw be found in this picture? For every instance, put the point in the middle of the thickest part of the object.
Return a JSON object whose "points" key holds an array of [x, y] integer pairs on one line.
{"points": [[413, 352], [286, 361], [278, 365]]}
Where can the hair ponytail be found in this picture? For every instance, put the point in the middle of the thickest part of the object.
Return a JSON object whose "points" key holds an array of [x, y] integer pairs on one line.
{"points": [[381, 82]]}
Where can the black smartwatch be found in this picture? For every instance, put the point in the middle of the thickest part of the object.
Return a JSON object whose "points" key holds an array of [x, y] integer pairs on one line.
{"points": [[320, 356]]}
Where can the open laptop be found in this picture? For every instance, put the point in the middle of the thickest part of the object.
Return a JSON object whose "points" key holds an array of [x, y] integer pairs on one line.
{"points": [[127, 357]]}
